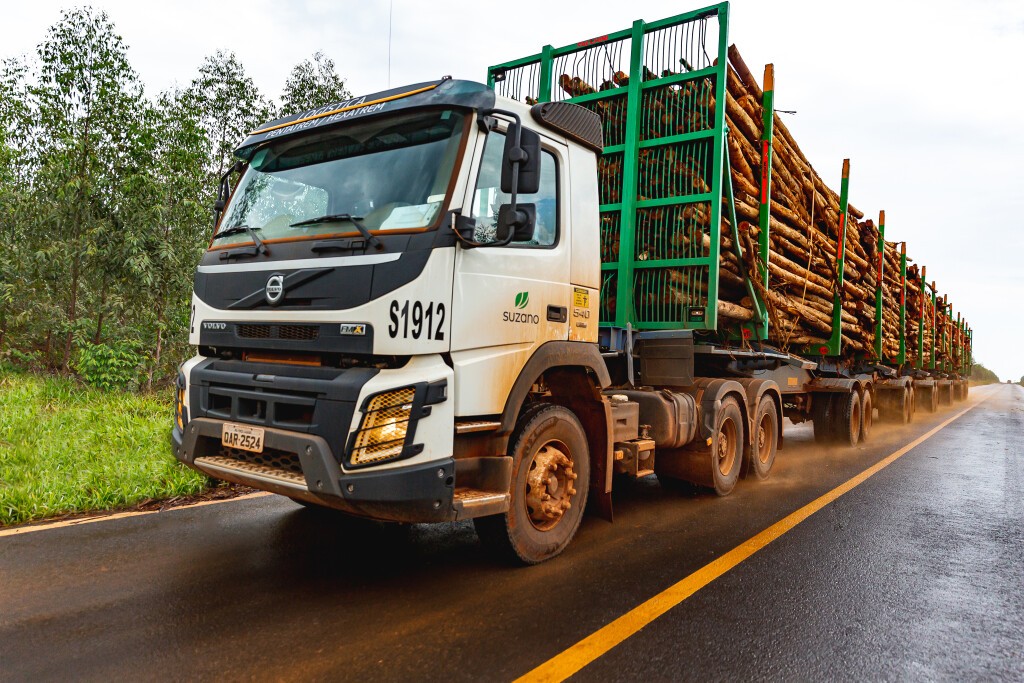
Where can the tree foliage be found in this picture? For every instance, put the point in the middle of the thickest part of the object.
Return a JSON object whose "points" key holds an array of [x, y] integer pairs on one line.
{"points": [[311, 84], [229, 105], [106, 197], [982, 375]]}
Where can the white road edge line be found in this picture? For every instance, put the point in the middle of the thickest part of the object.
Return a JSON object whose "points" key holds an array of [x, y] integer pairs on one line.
{"points": [[122, 515]]}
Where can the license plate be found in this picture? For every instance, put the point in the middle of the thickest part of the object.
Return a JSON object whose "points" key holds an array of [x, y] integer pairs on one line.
{"points": [[242, 436]]}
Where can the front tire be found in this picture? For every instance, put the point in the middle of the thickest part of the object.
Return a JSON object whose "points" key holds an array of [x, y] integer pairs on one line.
{"points": [[550, 481]]}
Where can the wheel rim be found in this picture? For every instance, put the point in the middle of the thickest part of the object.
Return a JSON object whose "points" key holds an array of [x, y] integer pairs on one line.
{"points": [[726, 454], [765, 438], [550, 485]]}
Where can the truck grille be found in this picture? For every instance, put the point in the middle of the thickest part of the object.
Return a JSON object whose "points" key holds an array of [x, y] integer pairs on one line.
{"points": [[288, 332]]}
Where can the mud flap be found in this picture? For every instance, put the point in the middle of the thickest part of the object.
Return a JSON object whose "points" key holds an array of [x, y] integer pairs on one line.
{"points": [[573, 390]]}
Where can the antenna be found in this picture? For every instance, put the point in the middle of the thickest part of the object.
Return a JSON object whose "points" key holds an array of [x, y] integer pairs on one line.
{"points": [[391, 12]]}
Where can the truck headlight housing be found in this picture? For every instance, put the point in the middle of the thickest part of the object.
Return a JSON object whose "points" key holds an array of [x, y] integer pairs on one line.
{"points": [[387, 420], [180, 411]]}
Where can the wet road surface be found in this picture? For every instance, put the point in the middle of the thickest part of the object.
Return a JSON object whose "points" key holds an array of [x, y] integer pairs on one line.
{"points": [[917, 573]]}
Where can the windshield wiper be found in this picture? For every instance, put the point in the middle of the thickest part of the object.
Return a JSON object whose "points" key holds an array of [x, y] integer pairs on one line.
{"points": [[234, 230], [339, 217]]}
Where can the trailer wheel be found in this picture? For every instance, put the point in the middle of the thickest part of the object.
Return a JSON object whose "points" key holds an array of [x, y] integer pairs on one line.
{"points": [[848, 422], [867, 416], [933, 399], [946, 395], [766, 437], [550, 480], [909, 404], [821, 414]]}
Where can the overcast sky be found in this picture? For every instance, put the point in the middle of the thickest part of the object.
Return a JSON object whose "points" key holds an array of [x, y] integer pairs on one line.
{"points": [[926, 98]]}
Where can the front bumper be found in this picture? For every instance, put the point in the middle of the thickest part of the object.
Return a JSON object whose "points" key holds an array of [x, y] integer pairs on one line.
{"points": [[415, 493]]}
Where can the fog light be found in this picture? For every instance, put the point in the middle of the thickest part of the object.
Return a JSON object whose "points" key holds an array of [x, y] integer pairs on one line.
{"points": [[381, 435]]}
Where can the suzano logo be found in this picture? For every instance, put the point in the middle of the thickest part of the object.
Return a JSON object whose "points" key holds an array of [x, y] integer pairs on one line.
{"points": [[522, 299]]}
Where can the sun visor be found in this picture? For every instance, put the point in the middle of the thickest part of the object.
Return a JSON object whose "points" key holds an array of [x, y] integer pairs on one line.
{"points": [[443, 93]]}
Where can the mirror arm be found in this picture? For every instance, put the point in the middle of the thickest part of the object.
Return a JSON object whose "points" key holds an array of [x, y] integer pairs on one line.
{"points": [[224, 191], [518, 156]]}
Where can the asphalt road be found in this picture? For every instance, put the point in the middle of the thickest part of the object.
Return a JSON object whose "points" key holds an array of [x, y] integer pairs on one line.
{"points": [[918, 573]]}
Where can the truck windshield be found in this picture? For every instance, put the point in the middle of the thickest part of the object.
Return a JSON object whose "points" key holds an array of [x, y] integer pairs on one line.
{"points": [[391, 172]]}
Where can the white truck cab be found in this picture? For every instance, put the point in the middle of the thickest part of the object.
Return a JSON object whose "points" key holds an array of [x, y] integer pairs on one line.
{"points": [[397, 316]]}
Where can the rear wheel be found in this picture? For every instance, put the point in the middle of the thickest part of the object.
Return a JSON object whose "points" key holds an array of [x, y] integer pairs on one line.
{"points": [[727, 447], [766, 437], [821, 415], [899, 409], [717, 467], [847, 417], [550, 480], [867, 416]]}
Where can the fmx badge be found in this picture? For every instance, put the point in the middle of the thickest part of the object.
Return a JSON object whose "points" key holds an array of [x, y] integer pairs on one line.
{"points": [[352, 329], [522, 298]]}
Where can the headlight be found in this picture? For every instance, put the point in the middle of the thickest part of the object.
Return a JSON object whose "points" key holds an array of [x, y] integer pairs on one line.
{"points": [[381, 435], [180, 417]]}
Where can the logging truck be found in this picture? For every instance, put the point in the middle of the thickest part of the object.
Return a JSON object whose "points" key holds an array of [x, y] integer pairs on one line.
{"points": [[455, 300]]}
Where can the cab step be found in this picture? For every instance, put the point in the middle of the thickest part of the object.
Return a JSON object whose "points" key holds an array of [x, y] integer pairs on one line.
{"points": [[470, 503]]}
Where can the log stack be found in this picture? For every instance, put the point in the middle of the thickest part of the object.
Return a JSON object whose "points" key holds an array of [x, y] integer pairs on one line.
{"points": [[804, 226], [914, 303], [804, 230], [892, 292]]}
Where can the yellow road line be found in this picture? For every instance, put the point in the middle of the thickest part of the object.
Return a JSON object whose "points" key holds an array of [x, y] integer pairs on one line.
{"points": [[121, 515], [570, 661]]}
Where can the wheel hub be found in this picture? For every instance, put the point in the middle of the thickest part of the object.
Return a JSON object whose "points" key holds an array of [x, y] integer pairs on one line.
{"points": [[550, 484]]}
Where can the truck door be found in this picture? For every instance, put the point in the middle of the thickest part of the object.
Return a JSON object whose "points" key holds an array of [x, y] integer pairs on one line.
{"points": [[509, 300]]}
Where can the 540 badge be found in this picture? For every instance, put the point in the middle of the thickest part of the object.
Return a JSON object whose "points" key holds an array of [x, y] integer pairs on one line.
{"points": [[417, 319]]}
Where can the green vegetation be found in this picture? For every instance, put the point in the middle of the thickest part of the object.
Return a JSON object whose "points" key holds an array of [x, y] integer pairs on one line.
{"points": [[106, 197], [982, 375], [65, 447]]}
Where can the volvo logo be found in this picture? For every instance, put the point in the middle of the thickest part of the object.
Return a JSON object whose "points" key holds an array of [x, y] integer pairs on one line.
{"points": [[275, 289]]}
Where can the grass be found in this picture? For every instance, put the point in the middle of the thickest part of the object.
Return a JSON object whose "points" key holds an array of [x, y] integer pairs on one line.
{"points": [[69, 448]]}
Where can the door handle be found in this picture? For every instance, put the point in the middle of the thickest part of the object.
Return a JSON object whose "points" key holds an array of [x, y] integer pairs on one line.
{"points": [[558, 314]]}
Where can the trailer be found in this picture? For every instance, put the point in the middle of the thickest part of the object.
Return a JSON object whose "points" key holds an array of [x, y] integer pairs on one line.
{"points": [[453, 301]]}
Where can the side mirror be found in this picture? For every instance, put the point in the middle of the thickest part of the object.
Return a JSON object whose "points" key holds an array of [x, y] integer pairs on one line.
{"points": [[528, 156], [520, 225]]}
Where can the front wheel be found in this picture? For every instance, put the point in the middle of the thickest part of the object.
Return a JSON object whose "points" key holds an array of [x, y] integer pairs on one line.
{"points": [[550, 480]]}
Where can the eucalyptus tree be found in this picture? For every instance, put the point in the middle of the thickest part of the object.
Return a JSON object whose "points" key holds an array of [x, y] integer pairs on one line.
{"points": [[14, 177], [230, 106], [311, 84], [88, 107], [180, 227]]}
